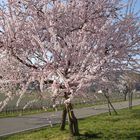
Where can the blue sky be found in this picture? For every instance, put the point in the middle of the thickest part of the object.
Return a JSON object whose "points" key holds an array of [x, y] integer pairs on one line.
{"points": [[137, 5], [2, 1]]}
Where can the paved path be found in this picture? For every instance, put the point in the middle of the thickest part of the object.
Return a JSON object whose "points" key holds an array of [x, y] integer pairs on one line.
{"points": [[18, 124]]}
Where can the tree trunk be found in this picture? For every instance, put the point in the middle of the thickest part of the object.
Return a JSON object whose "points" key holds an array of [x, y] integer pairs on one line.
{"points": [[109, 108], [73, 123], [130, 99], [64, 116], [109, 102], [113, 107], [125, 95]]}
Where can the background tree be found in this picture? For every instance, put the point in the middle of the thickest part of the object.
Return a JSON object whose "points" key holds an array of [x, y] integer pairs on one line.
{"points": [[128, 81]]}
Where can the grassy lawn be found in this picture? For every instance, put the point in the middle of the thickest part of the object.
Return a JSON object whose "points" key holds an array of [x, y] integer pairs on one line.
{"points": [[124, 126]]}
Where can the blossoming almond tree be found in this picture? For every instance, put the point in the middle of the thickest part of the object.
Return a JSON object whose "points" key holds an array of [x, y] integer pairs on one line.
{"points": [[67, 43]]}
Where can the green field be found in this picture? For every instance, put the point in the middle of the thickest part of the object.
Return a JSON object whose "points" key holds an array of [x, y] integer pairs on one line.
{"points": [[124, 126], [11, 110], [30, 111], [47, 102]]}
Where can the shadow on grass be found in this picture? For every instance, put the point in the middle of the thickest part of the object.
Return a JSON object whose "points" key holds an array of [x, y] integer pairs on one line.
{"points": [[88, 136], [138, 138], [136, 113]]}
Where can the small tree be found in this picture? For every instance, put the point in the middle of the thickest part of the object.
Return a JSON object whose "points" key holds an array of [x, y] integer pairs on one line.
{"points": [[70, 43], [128, 81]]}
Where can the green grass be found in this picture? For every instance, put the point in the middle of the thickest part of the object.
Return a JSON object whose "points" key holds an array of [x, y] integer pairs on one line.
{"points": [[124, 126]]}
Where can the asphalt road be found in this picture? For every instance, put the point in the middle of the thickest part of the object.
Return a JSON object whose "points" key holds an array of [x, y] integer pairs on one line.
{"points": [[23, 123]]}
